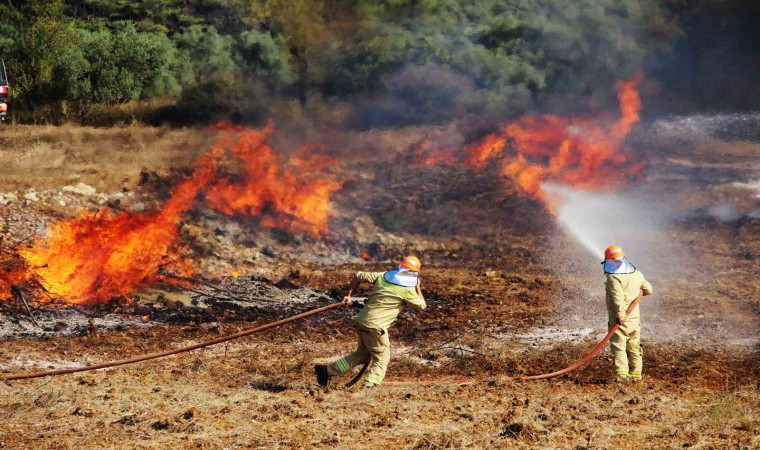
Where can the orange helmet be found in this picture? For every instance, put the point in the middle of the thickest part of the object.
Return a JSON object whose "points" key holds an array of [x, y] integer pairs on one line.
{"points": [[613, 252], [412, 263]]}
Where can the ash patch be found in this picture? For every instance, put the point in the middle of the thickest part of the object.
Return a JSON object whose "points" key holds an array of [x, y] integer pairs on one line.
{"points": [[237, 299], [61, 322], [727, 127], [549, 337], [258, 292]]}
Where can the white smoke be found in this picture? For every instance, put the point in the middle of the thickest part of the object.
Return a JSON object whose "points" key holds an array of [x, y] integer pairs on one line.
{"points": [[598, 220], [680, 226]]}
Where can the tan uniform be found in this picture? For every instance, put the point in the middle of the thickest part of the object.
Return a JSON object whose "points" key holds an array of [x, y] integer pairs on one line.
{"points": [[383, 306], [622, 290]]}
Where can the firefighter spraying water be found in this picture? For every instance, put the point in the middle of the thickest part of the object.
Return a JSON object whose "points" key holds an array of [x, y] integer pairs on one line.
{"points": [[623, 283]]}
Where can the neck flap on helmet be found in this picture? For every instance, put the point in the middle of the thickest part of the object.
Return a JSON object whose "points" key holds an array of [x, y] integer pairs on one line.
{"points": [[618, 266], [402, 277]]}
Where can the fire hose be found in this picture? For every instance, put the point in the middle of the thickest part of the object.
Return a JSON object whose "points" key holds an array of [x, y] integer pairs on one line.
{"points": [[149, 356], [121, 362], [544, 376], [589, 355]]}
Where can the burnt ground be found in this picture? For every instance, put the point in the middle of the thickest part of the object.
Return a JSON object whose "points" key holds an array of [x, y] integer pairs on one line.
{"points": [[497, 307]]}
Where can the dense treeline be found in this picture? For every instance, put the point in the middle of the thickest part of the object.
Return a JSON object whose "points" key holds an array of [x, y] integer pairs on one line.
{"points": [[396, 60]]}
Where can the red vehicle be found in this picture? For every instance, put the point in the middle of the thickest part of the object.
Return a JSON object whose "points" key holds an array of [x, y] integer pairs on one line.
{"points": [[3, 92]]}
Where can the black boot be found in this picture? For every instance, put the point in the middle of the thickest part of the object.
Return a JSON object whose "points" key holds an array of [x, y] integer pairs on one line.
{"points": [[322, 375]]}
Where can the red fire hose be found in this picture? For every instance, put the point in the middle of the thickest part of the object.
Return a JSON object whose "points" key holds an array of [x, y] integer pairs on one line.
{"points": [[544, 376], [575, 365], [588, 356], [22, 376]]}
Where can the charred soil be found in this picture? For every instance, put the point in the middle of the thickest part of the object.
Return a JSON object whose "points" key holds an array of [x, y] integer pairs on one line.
{"points": [[497, 279]]}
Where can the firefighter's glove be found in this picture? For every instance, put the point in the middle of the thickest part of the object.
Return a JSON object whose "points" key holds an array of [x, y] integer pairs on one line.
{"points": [[621, 319]]}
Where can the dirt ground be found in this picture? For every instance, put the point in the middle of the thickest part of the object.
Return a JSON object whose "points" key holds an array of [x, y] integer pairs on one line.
{"points": [[498, 307], [261, 394]]}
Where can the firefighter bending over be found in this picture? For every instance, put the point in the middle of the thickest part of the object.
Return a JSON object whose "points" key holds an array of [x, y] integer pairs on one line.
{"points": [[392, 290], [623, 284]]}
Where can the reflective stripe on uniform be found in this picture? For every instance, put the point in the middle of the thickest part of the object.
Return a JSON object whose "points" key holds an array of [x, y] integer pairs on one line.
{"points": [[373, 378], [621, 372], [342, 365], [634, 374]]}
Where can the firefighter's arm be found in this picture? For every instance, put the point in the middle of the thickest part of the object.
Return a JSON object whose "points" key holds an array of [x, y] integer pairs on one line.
{"points": [[418, 300], [646, 287], [351, 288], [360, 277], [616, 295]]}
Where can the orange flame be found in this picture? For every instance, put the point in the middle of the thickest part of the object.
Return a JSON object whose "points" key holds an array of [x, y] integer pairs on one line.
{"points": [[429, 152], [490, 147], [13, 271], [95, 257], [293, 196], [573, 151]]}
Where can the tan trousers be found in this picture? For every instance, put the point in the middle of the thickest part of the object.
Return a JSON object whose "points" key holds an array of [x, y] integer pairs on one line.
{"points": [[625, 345], [373, 345]]}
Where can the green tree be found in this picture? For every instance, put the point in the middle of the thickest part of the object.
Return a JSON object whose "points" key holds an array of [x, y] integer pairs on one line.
{"points": [[481, 56], [259, 55], [155, 16], [204, 53], [35, 38], [229, 16], [110, 66]]}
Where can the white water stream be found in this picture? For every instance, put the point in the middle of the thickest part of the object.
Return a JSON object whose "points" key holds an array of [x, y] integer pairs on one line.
{"points": [[598, 220], [708, 176]]}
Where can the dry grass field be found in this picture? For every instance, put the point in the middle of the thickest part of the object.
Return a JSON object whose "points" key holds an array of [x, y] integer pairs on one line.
{"points": [[499, 305]]}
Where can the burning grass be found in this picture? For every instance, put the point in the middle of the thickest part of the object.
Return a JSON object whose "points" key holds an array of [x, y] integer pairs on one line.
{"points": [[293, 196], [490, 271], [93, 258], [585, 153], [96, 257]]}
